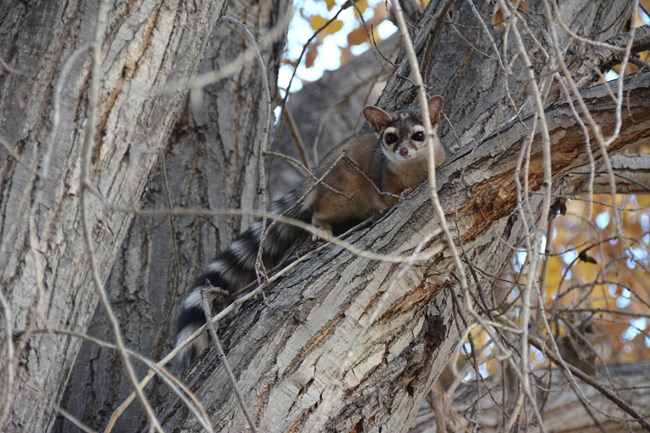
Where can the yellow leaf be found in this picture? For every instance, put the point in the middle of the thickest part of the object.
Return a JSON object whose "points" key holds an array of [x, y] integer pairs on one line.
{"points": [[330, 4], [317, 21], [361, 6], [333, 27], [357, 36]]}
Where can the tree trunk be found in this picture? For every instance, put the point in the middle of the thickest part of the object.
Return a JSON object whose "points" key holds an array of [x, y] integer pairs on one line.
{"points": [[211, 161], [301, 358], [45, 275]]}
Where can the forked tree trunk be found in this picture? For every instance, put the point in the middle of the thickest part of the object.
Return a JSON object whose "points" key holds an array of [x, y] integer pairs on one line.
{"points": [[149, 49], [301, 356]]}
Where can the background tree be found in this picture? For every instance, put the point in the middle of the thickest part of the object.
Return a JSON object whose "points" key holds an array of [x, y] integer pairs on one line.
{"points": [[343, 341]]}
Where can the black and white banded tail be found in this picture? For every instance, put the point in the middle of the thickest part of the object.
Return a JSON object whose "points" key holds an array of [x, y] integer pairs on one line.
{"points": [[234, 268]]}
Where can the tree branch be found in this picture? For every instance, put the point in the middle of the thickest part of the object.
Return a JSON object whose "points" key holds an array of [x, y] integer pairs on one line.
{"points": [[302, 330]]}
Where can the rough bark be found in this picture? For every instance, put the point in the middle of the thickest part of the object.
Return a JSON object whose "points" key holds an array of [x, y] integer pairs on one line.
{"points": [[632, 173], [298, 356], [479, 95], [301, 359], [211, 162], [45, 276], [561, 409]]}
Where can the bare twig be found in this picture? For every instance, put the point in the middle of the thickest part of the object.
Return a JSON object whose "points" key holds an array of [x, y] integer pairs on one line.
{"points": [[173, 382], [590, 381], [294, 133], [264, 140], [9, 365], [433, 36], [224, 360], [422, 99], [77, 423], [249, 294]]}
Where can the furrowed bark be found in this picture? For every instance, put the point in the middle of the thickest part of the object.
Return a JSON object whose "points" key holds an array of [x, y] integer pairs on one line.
{"points": [[466, 70], [288, 352], [45, 274], [211, 161], [300, 356]]}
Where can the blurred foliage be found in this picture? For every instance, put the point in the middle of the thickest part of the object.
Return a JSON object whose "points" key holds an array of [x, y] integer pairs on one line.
{"points": [[327, 34], [597, 285]]}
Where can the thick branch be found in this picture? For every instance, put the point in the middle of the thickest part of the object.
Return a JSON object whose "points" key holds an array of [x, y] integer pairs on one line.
{"points": [[301, 358], [602, 58], [45, 274], [632, 174]]}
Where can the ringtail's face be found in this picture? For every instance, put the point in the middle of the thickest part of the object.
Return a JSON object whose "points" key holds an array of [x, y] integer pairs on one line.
{"points": [[402, 134]]}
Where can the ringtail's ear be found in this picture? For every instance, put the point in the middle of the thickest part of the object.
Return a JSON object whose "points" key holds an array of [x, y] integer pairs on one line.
{"points": [[376, 117], [435, 107]]}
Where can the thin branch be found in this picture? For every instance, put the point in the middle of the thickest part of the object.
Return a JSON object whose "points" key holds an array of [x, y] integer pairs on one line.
{"points": [[9, 365], [422, 99], [294, 133], [224, 360], [512, 20], [343, 7], [248, 295], [264, 140], [541, 346], [433, 35], [77, 423], [173, 382]]}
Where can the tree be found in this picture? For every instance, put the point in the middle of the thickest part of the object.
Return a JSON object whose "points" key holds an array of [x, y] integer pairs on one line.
{"points": [[343, 341], [210, 162], [49, 235]]}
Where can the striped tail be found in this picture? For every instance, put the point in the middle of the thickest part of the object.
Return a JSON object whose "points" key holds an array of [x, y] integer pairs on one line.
{"points": [[234, 268]]}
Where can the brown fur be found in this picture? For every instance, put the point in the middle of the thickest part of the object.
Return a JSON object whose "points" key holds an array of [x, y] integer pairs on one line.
{"points": [[372, 176]]}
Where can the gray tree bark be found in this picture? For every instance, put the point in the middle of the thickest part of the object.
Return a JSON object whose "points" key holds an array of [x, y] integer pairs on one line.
{"points": [[210, 162], [303, 360], [301, 357], [45, 74]]}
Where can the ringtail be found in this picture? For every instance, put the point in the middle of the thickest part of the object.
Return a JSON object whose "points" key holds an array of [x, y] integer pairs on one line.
{"points": [[364, 175]]}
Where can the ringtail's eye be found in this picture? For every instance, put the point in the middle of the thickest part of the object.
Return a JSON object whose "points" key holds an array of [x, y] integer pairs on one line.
{"points": [[390, 138], [418, 136]]}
